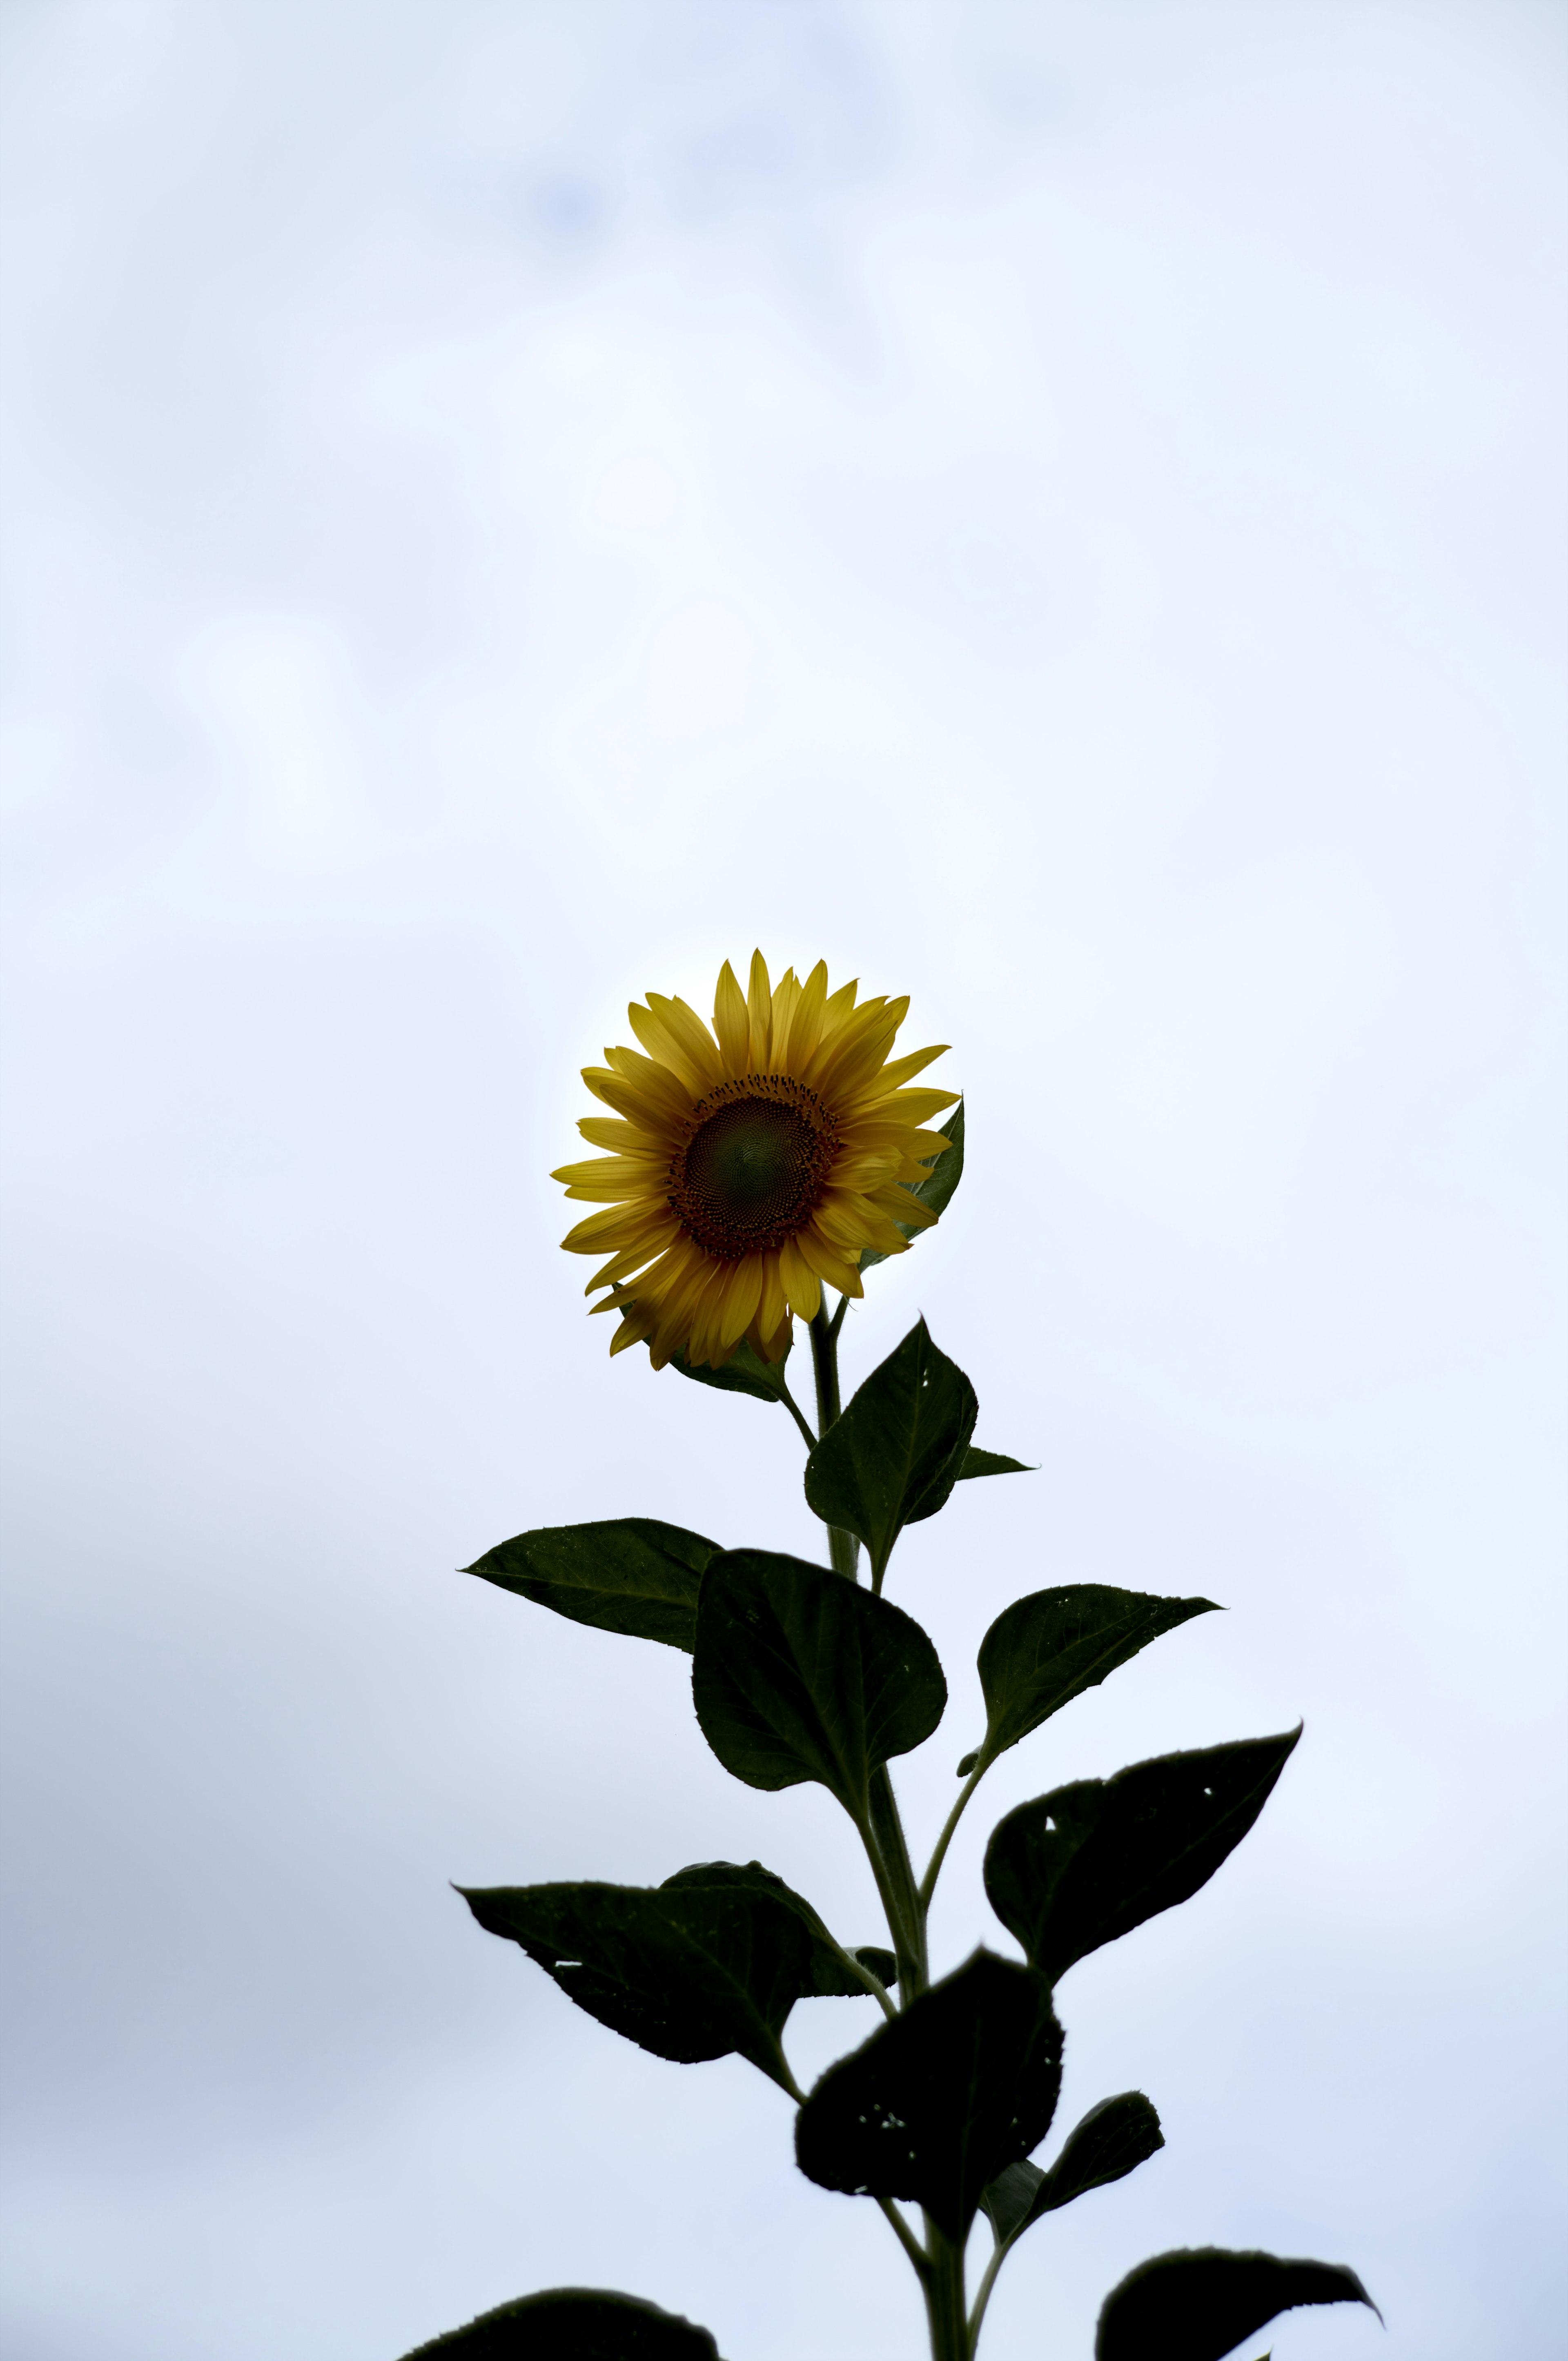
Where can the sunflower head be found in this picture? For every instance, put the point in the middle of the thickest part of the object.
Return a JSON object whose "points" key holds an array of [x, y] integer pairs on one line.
{"points": [[749, 1163]]}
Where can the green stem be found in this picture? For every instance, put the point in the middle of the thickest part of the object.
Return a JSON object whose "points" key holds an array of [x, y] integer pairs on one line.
{"points": [[888, 1830], [789, 2082], [945, 2301], [928, 1883], [908, 2240], [895, 1905], [843, 1548], [824, 1367], [793, 1407], [982, 2296], [939, 2264], [873, 1984]]}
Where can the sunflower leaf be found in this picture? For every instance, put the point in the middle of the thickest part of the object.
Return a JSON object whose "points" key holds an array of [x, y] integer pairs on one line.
{"points": [[945, 1171], [574, 2325], [993, 1463], [799, 1675], [1112, 2140], [1047, 1649], [745, 1372], [1085, 1864], [830, 1980], [689, 1972], [1006, 2201], [882, 1964], [1198, 2304], [943, 2097], [895, 1454], [624, 1574]]}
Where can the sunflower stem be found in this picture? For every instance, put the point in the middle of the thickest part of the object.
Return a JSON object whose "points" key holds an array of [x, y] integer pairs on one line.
{"points": [[908, 2240], [939, 2264], [945, 2303], [825, 1366], [982, 2297], [873, 1984], [793, 1408], [844, 1547], [928, 1883], [888, 1829]]}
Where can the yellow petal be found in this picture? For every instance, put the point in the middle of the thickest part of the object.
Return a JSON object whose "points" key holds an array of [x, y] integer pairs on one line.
{"points": [[839, 1008], [801, 1283], [612, 1176], [869, 1022], [617, 1228], [786, 1000], [850, 1070], [621, 1266], [772, 1308], [769, 1344], [759, 1009], [662, 1035], [657, 1095], [903, 1070], [905, 1208], [712, 1323], [805, 1023], [741, 1297], [613, 1131], [909, 1106], [827, 1264], [631, 1331], [680, 1020], [731, 1022]]}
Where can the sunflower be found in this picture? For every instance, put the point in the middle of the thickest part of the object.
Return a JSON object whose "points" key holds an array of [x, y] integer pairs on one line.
{"points": [[751, 1165]]}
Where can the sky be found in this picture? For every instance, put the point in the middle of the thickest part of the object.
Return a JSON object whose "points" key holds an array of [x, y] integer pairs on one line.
{"points": [[1058, 510]]}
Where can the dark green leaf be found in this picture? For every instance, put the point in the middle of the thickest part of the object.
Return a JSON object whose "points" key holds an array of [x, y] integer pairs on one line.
{"points": [[1006, 2200], [946, 1169], [992, 1462], [800, 1674], [745, 1372], [1112, 2140], [942, 2097], [575, 2325], [1198, 2304], [894, 1454], [1087, 1863], [626, 1573], [831, 1979], [1044, 1650], [882, 1964], [689, 1974]]}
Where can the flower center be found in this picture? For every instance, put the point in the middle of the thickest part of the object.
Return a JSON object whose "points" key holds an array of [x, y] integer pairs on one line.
{"points": [[752, 1169]]}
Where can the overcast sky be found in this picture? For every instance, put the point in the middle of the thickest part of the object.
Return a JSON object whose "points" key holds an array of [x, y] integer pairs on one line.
{"points": [[1058, 510]]}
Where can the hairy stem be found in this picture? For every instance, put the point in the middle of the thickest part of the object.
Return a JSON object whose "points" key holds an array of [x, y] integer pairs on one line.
{"points": [[928, 1883], [939, 2264], [945, 2302], [982, 2295], [793, 1408], [824, 1367], [908, 2240], [873, 1984], [843, 1548], [894, 1908], [888, 1829]]}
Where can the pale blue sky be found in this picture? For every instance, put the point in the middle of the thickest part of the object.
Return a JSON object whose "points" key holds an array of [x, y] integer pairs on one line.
{"points": [[1058, 510]]}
